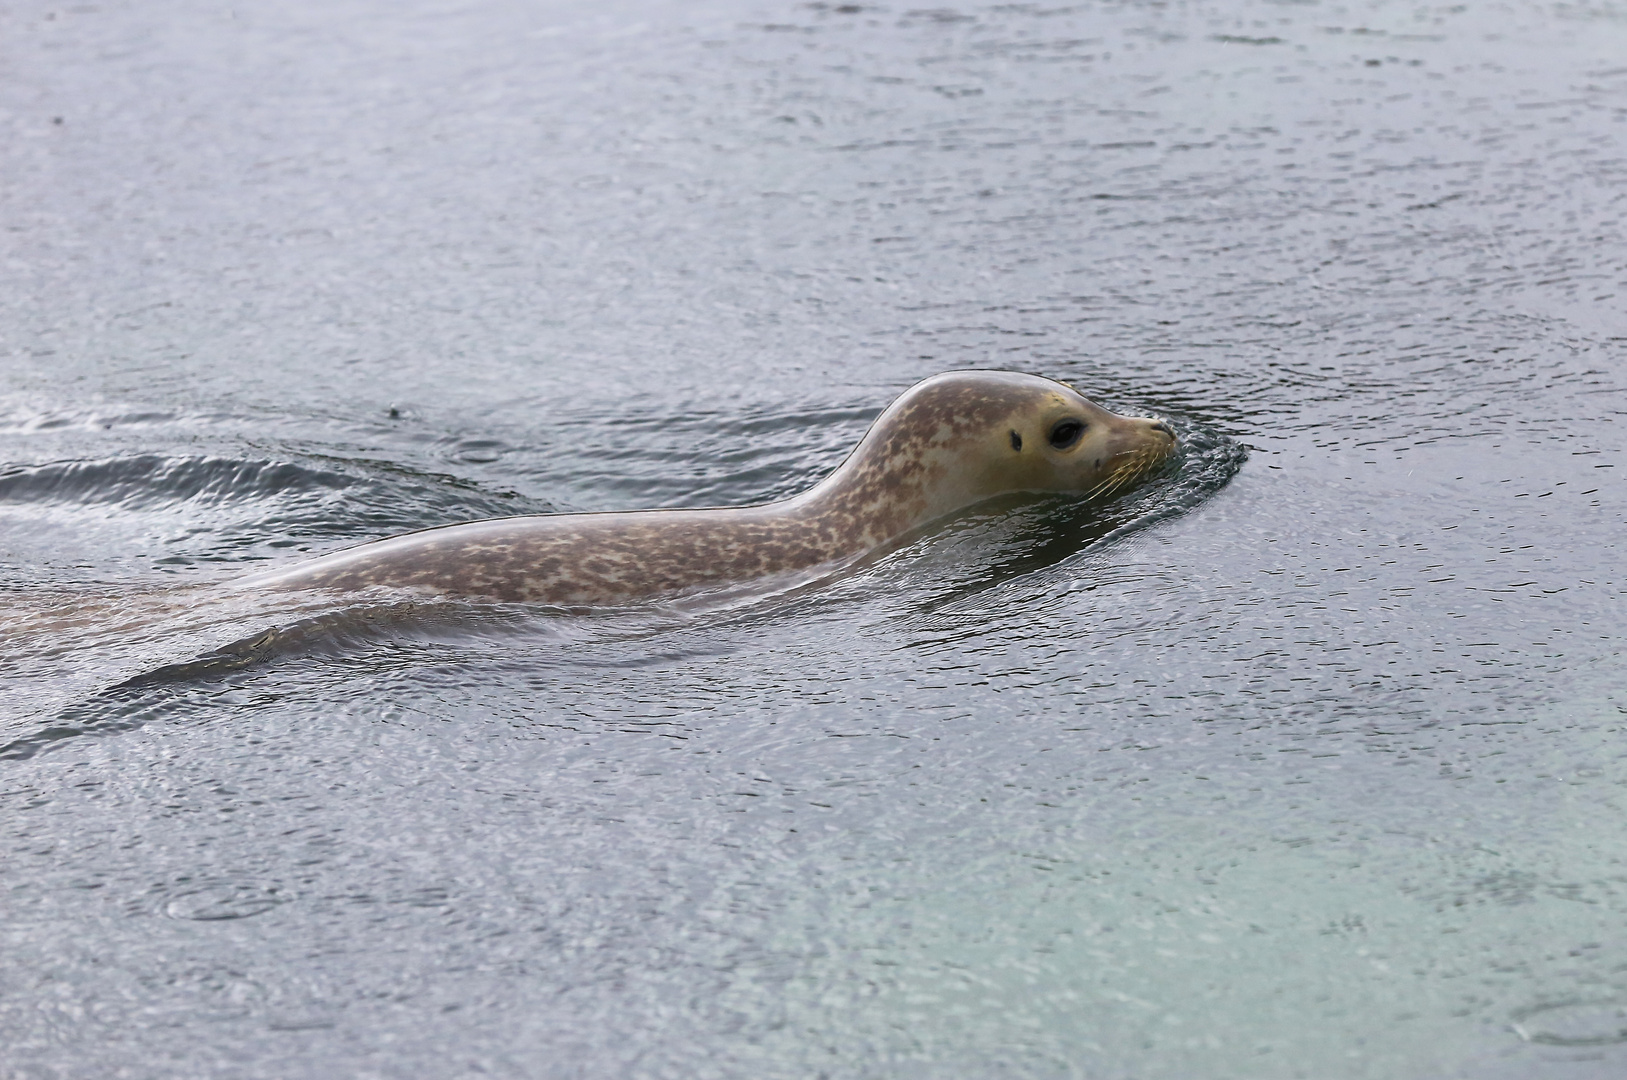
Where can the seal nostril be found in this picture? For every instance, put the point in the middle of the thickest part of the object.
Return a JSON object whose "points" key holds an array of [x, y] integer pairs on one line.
{"points": [[1165, 428]]}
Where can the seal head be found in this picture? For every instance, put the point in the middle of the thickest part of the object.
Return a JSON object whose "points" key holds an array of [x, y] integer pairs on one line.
{"points": [[947, 443], [964, 436]]}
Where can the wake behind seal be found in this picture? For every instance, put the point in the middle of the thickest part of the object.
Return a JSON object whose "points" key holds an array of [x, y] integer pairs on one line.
{"points": [[946, 443]]}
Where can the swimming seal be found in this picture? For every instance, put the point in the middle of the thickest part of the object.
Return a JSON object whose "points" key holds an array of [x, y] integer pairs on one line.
{"points": [[946, 443]]}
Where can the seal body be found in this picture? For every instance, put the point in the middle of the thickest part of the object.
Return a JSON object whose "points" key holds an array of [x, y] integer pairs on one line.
{"points": [[946, 443]]}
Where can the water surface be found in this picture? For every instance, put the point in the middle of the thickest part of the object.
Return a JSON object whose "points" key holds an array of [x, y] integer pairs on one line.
{"points": [[1304, 761]]}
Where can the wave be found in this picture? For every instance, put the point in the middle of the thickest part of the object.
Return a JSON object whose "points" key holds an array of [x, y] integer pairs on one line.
{"points": [[155, 511]]}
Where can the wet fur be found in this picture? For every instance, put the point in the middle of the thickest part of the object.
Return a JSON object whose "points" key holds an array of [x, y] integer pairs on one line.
{"points": [[946, 443]]}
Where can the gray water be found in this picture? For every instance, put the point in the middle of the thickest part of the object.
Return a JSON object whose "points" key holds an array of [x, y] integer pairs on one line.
{"points": [[1306, 760]]}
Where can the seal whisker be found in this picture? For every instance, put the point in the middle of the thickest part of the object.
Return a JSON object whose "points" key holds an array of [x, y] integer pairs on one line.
{"points": [[1125, 471], [1137, 465]]}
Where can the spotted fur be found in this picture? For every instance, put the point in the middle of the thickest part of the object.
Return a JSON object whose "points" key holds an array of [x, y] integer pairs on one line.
{"points": [[946, 443]]}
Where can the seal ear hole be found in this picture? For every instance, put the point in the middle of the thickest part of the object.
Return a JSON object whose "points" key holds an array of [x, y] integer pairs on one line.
{"points": [[1066, 432], [1016, 441]]}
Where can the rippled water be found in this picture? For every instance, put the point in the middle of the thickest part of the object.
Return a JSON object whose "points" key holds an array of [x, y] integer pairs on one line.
{"points": [[1305, 761]]}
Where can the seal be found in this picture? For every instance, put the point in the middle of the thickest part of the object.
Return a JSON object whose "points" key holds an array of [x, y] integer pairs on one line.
{"points": [[947, 443]]}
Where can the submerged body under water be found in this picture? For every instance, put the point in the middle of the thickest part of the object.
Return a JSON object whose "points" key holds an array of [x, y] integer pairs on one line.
{"points": [[601, 569], [1304, 765]]}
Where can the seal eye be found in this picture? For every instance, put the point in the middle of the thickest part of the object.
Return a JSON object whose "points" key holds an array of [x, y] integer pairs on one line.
{"points": [[1016, 441], [1066, 433]]}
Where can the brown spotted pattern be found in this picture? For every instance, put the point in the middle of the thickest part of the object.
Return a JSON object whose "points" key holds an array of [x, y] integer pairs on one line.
{"points": [[943, 445]]}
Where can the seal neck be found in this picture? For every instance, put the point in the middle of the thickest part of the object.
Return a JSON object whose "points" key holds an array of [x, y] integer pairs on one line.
{"points": [[877, 494]]}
